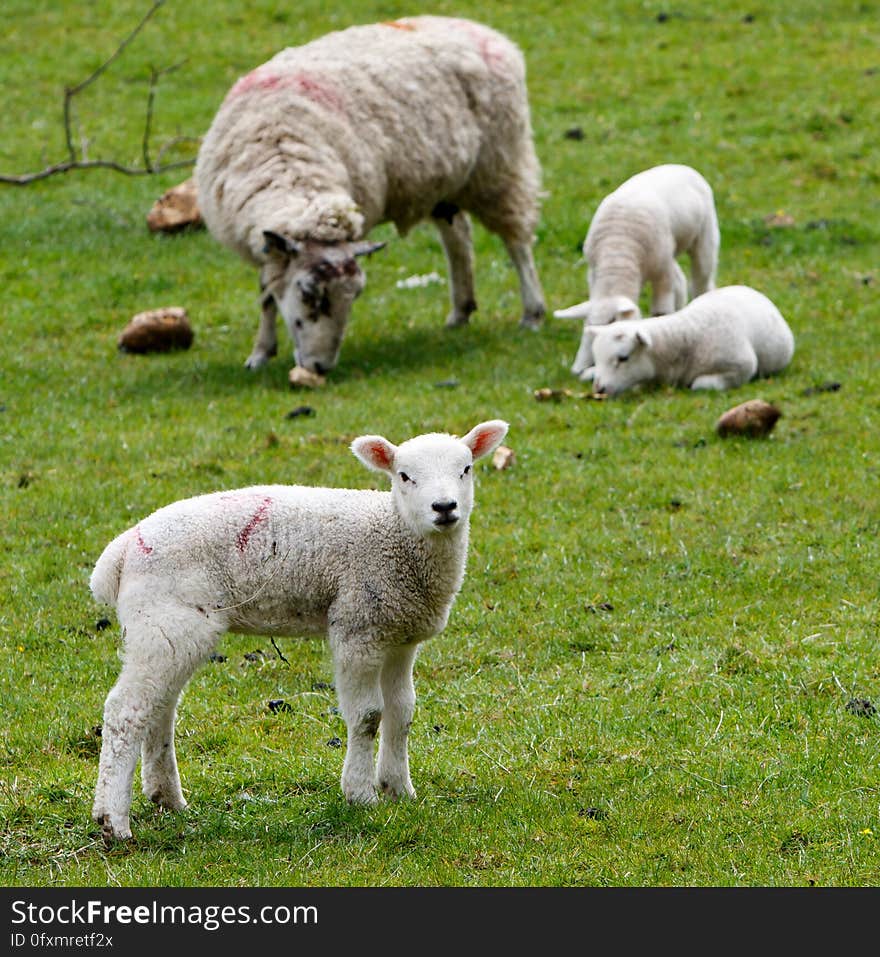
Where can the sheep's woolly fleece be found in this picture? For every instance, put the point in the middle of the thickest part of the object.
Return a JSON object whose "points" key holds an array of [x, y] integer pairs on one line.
{"points": [[328, 139]]}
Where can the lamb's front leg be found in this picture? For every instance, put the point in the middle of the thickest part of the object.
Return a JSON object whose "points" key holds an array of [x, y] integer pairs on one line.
{"points": [[398, 693], [357, 673]]}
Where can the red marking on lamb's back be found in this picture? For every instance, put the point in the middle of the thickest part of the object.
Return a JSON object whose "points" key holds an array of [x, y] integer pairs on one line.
{"points": [[259, 516], [141, 544], [398, 25], [306, 84]]}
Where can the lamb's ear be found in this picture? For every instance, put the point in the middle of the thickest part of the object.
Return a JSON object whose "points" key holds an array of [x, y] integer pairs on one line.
{"points": [[580, 311], [627, 309], [643, 338], [375, 452], [277, 243], [365, 248], [486, 437]]}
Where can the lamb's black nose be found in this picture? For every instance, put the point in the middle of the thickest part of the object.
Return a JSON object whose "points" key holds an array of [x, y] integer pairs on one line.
{"points": [[444, 508]]}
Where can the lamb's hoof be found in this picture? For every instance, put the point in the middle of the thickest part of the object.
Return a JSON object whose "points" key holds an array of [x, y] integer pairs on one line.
{"points": [[111, 833], [397, 792], [364, 797], [172, 802]]}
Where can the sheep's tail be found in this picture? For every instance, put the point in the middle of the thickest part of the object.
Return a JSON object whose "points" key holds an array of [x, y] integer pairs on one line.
{"points": [[104, 582]]}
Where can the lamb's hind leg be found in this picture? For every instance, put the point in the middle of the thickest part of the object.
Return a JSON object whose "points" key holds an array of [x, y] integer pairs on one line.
{"points": [[454, 227], [159, 659], [704, 259], [160, 778], [399, 698]]}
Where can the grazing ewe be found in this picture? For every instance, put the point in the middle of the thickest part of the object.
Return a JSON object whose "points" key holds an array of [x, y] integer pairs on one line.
{"points": [[718, 341], [633, 239], [424, 117], [377, 572]]}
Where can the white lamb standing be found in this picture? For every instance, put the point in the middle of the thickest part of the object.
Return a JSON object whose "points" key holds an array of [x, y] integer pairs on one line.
{"points": [[719, 340], [376, 572], [422, 117], [633, 239]]}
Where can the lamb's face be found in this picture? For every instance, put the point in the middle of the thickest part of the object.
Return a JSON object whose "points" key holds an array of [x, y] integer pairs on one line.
{"points": [[622, 358], [432, 483], [432, 475], [314, 286]]}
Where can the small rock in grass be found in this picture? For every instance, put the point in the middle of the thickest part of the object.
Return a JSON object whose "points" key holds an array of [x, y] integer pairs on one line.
{"points": [[754, 418], [300, 410], [503, 457], [279, 704], [157, 330], [302, 378]]}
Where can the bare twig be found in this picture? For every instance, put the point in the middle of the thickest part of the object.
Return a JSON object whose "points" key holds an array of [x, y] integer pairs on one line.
{"points": [[74, 161]]}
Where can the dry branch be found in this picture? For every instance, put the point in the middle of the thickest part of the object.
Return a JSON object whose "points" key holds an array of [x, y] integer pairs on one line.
{"points": [[75, 161]]}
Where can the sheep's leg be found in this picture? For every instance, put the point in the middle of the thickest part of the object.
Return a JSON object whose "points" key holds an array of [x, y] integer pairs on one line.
{"points": [[159, 775], [360, 700], [454, 227], [669, 292], [529, 285], [266, 343], [704, 261], [399, 697], [157, 664]]}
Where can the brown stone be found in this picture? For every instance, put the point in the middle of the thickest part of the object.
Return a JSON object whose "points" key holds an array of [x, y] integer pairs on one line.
{"points": [[157, 330], [175, 209], [754, 419]]}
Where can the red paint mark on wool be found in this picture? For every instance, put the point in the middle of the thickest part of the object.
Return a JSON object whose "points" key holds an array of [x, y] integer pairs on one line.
{"points": [[305, 84], [255, 519], [491, 49], [141, 544], [398, 25]]}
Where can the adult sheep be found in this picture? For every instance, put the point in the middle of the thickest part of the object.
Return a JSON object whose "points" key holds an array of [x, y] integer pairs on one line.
{"points": [[423, 117], [376, 572]]}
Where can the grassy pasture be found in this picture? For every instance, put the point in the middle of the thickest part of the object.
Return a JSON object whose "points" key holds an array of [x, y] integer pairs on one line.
{"points": [[649, 675]]}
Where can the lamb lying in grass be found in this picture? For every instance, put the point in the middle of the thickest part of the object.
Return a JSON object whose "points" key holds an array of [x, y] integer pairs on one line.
{"points": [[377, 572], [633, 239], [718, 341]]}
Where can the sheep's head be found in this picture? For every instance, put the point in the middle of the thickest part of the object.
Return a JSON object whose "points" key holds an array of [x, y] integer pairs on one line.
{"points": [[622, 356], [313, 285], [432, 475], [596, 312]]}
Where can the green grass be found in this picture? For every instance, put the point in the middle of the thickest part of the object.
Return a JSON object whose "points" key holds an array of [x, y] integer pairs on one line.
{"points": [[645, 678]]}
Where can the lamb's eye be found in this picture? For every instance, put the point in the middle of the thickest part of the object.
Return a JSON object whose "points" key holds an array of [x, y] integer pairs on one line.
{"points": [[467, 469], [622, 358], [404, 477]]}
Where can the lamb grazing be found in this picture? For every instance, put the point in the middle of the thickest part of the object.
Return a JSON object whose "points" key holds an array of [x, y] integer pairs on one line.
{"points": [[718, 341], [423, 117], [376, 572], [633, 239]]}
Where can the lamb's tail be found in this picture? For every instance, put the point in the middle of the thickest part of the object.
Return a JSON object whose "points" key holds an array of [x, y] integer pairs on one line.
{"points": [[104, 582]]}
